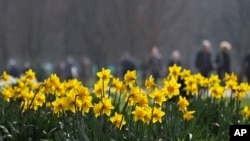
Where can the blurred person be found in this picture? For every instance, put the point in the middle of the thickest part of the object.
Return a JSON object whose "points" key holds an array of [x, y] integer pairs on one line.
{"points": [[49, 68], [60, 70], [26, 67], [127, 63], [143, 66], [203, 60], [71, 69], [223, 64], [13, 69], [155, 63], [175, 58], [246, 66], [86, 70], [40, 72]]}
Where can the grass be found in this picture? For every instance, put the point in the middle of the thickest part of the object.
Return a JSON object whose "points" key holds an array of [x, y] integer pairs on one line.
{"points": [[245, 102]]}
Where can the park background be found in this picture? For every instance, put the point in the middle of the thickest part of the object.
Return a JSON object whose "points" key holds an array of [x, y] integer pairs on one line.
{"points": [[41, 31]]}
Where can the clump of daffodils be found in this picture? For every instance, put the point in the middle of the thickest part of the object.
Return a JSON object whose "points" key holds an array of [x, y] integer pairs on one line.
{"points": [[146, 103]]}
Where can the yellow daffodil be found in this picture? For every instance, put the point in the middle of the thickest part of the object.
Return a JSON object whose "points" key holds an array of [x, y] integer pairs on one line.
{"points": [[242, 90], [58, 105], [139, 113], [214, 80], [217, 91], [192, 89], [231, 84], [133, 95], [142, 99], [149, 83], [157, 115], [187, 115], [22, 82], [98, 108], [205, 83], [171, 88], [147, 115], [30, 74], [54, 80], [100, 89], [7, 93], [231, 76], [116, 84], [52, 84], [123, 89], [48, 105], [72, 103], [60, 89], [5, 76], [118, 120], [191, 80], [105, 106], [174, 71], [182, 103], [158, 96], [199, 78], [72, 84], [185, 73], [17, 92], [85, 98], [245, 112], [40, 99], [104, 74], [86, 104], [130, 77], [83, 92]]}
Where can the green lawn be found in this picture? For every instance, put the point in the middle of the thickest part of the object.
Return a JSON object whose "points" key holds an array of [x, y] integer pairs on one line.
{"points": [[245, 102]]}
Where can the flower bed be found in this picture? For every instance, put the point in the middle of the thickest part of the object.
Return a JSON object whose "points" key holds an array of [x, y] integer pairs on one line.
{"points": [[117, 109]]}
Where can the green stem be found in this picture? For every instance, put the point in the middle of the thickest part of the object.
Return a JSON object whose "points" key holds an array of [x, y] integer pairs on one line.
{"points": [[109, 92], [34, 96], [123, 112], [65, 125], [119, 99], [102, 89], [151, 120], [76, 116]]}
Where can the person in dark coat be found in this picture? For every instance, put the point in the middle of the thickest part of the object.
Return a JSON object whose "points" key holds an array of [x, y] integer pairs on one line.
{"points": [[203, 61], [246, 66], [222, 60], [176, 60], [127, 63], [13, 69], [155, 63]]}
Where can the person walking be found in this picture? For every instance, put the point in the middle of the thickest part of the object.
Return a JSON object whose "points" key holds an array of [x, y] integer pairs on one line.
{"points": [[175, 58], [246, 66], [155, 63], [203, 61], [223, 64], [127, 63]]}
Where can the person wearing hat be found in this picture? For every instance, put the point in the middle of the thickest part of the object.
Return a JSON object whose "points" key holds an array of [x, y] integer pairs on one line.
{"points": [[203, 61], [222, 60]]}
